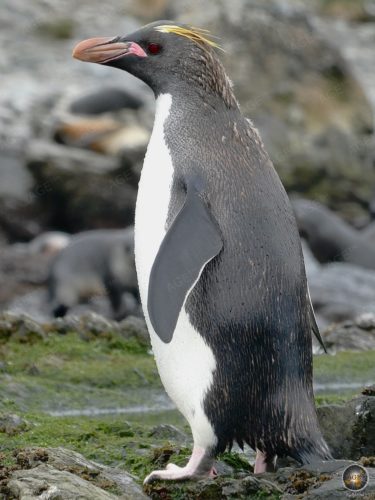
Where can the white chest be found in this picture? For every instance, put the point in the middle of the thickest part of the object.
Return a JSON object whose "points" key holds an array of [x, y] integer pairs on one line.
{"points": [[185, 364], [153, 198]]}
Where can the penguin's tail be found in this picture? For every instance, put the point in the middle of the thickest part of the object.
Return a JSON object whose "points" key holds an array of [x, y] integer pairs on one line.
{"points": [[312, 450]]}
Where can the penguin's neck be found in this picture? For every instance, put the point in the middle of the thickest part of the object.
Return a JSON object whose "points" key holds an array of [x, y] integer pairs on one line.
{"points": [[191, 104]]}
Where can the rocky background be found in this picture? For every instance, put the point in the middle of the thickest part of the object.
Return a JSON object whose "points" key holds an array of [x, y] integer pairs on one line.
{"points": [[82, 411]]}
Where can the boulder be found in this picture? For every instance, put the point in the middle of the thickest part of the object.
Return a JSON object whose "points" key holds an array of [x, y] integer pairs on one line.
{"points": [[90, 325], [322, 480], [45, 482], [19, 215], [341, 291], [21, 328], [21, 273], [80, 189], [357, 335], [350, 428], [169, 432], [11, 423], [59, 473]]}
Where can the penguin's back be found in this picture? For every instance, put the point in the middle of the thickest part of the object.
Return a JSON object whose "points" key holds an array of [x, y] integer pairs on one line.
{"points": [[250, 304]]}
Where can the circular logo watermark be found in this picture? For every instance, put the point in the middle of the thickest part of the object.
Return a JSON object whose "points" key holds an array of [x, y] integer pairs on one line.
{"points": [[355, 478]]}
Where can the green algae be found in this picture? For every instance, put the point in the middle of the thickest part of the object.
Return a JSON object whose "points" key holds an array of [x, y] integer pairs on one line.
{"points": [[56, 372]]}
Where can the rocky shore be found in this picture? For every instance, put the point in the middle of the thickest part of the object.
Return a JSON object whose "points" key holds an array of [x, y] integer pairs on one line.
{"points": [[83, 415]]}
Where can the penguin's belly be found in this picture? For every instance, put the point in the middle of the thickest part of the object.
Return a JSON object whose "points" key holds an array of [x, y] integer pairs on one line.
{"points": [[186, 364]]}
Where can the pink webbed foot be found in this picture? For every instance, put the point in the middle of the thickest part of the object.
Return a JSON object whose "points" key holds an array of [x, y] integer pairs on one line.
{"points": [[264, 463], [200, 466]]}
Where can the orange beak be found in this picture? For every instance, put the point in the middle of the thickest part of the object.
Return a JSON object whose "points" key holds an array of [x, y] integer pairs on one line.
{"points": [[103, 50]]}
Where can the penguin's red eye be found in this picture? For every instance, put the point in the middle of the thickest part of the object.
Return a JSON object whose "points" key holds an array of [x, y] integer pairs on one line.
{"points": [[154, 48]]}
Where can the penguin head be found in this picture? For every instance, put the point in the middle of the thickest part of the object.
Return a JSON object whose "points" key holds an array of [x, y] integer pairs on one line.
{"points": [[165, 55]]}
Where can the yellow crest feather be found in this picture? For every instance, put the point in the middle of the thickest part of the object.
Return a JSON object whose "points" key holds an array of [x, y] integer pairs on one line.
{"points": [[197, 35]]}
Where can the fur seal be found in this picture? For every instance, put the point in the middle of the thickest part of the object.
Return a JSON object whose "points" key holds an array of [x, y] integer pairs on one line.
{"points": [[330, 238], [94, 262]]}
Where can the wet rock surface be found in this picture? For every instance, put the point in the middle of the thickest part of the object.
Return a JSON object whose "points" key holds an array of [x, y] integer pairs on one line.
{"points": [[339, 291], [349, 429], [24, 329], [66, 474], [61, 473], [87, 387], [357, 335]]}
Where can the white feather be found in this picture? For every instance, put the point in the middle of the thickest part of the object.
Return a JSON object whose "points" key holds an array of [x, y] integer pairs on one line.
{"points": [[187, 363]]}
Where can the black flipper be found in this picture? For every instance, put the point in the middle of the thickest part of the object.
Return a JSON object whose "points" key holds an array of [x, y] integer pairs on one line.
{"points": [[192, 240], [314, 326]]}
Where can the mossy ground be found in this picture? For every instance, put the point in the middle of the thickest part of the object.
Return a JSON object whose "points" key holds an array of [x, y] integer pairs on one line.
{"points": [[68, 373]]}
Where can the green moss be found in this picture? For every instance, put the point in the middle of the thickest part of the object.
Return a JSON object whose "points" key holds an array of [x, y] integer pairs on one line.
{"points": [[345, 367], [342, 369], [238, 462], [108, 440], [65, 373], [105, 370], [69, 359], [330, 398]]}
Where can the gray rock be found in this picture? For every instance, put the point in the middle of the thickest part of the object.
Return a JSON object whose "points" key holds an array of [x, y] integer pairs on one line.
{"points": [[320, 481], [85, 183], [133, 327], [19, 215], [311, 263], [341, 291], [15, 180], [357, 335], [369, 231], [12, 424], [167, 431], [350, 428], [44, 482], [20, 274], [59, 473], [246, 486], [90, 325], [63, 159], [21, 328], [62, 458]]}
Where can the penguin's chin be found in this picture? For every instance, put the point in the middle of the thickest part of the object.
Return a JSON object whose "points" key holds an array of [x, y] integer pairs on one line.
{"points": [[106, 49]]}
